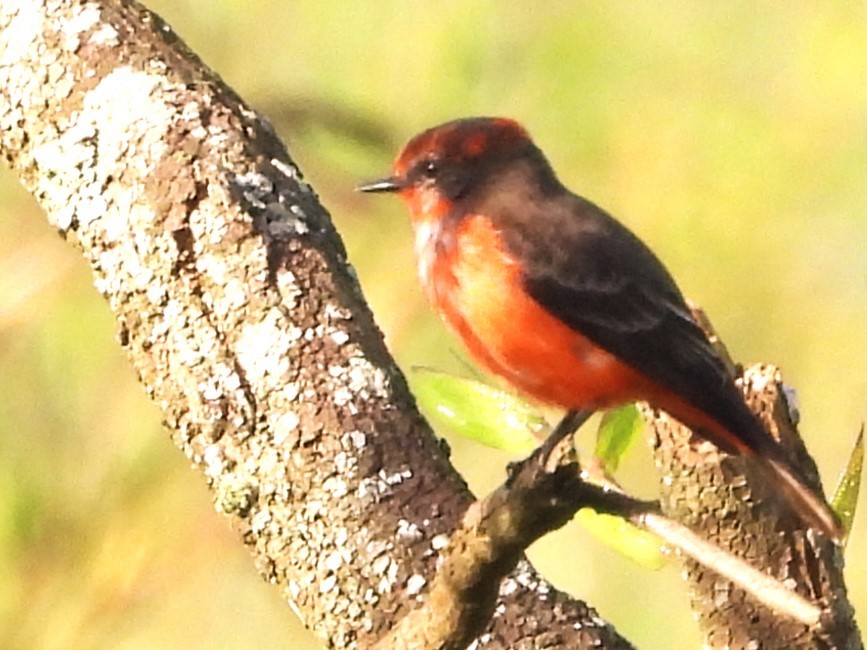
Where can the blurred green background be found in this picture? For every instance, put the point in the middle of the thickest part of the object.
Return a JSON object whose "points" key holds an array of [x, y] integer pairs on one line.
{"points": [[732, 137]]}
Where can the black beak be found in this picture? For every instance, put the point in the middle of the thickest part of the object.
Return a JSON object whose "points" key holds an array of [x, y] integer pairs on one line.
{"points": [[390, 184]]}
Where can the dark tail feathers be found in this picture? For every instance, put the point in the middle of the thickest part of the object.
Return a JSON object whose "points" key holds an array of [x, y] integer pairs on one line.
{"points": [[809, 506]]}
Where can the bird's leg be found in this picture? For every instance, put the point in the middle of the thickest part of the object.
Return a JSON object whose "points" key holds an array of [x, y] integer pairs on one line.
{"points": [[569, 424], [540, 458]]}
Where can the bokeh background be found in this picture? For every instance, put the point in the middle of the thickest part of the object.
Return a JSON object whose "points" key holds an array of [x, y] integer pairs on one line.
{"points": [[731, 136]]}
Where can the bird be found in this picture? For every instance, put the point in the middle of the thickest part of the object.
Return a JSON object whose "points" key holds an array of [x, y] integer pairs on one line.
{"points": [[561, 300]]}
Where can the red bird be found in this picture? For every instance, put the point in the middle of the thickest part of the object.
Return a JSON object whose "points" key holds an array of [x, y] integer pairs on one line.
{"points": [[554, 295]]}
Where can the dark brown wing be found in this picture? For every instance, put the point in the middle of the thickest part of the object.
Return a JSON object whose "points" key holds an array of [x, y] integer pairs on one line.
{"points": [[600, 279], [597, 277]]}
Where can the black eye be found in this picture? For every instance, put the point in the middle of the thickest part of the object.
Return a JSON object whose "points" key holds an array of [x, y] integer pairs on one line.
{"points": [[430, 169]]}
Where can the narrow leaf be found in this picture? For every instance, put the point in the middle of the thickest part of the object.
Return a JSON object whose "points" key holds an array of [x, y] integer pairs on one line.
{"points": [[479, 412], [637, 544], [845, 499], [618, 430]]}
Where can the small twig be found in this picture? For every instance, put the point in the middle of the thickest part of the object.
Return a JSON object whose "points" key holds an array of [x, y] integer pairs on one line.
{"points": [[762, 587]]}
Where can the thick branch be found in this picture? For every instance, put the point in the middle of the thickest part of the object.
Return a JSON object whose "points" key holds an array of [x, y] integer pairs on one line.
{"points": [[241, 316]]}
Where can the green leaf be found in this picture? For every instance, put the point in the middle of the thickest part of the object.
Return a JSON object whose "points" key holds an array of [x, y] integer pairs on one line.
{"points": [[618, 430], [479, 412], [637, 544], [845, 499]]}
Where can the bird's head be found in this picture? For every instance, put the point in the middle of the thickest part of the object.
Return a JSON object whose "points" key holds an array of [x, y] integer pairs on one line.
{"points": [[449, 162]]}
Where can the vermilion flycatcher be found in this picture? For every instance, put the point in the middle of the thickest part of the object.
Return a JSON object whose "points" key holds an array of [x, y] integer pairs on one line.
{"points": [[551, 293]]}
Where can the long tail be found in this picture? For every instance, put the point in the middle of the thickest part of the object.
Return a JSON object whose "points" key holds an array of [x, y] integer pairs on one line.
{"points": [[756, 443], [810, 507]]}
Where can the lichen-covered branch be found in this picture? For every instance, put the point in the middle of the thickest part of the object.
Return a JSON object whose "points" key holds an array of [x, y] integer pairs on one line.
{"points": [[243, 320]]}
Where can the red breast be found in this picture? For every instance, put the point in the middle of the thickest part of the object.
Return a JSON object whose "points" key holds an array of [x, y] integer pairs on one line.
{"points": [[475, 286]]}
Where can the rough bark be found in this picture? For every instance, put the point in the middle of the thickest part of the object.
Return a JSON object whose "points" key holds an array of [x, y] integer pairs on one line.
{"points": [[726, 500], [243, 319]]}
